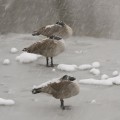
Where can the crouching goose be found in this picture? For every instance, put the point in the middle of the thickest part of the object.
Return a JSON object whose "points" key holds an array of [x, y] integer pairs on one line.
{"points": [[60, 88], [60, 29], [48, 47]]}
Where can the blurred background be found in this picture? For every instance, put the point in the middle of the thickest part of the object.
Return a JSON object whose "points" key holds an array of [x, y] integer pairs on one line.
{"points": [[96, 18]]}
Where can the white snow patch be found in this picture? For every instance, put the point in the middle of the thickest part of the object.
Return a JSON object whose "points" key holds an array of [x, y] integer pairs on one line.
{"points": [[6, 62], [93, 101], [104, 77], [49, 26], [115, 73], [109, 81], [66, 67], [78, 52], [27, 57], [95, 71], [6, 102], [85, 67], [14, 50], [96, 64], [53, 70]]}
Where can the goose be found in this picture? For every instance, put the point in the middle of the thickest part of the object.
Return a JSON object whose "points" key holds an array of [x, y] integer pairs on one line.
{"points": [[48, 47], [60, 29], [60, 88]]}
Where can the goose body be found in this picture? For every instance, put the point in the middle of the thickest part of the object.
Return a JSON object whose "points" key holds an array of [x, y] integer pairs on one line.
{"points": [[48, 47], [61, 88], [59, 29]]}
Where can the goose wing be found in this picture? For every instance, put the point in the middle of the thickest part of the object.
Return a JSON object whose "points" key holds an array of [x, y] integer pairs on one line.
{"points": [[48, 30]]}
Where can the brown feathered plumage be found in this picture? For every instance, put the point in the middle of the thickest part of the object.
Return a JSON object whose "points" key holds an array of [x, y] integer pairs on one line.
{"points": [[59, 29], [61, 88], [48, 47]]}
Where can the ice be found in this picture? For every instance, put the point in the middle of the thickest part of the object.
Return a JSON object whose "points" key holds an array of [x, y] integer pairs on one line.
{"points": [[6, 102], [6, 62], [96, 64], [115, 73], [14, 50], [67, 67], [85, 67], [95, 71], [109, 81], [104, 76], [27, 57]]}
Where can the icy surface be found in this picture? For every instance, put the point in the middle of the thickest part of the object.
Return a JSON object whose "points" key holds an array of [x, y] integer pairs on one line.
{"points": [[95, 71], [14, 50], [85, 67], [27, 57], [6, 102], [66, 67], [6, 62]]}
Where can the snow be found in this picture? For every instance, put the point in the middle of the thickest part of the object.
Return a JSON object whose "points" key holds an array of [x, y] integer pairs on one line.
{"points": [[67, 67], [85, 67], [6, 62], [27, 57], [53, 70], [96, 64], [14, 50], [93, 101], [115, 73], [104, 76], [95, 71], [6, 102], [109, 81]]}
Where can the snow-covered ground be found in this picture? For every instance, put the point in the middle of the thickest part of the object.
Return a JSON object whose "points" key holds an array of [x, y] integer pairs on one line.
{"points": [[98, 101]]}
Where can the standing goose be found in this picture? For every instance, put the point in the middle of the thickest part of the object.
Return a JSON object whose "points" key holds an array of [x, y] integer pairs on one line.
{"points": [[60, 88], [59, 29], [48, 47]]}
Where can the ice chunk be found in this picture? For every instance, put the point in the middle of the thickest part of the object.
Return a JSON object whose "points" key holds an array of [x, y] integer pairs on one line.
{"points": [[27, 57], [6, 102], [14, 50], [96, 64], [115, 73], [6, 61], [85, 67], [104, 76], [95, 71], [66, 67]]}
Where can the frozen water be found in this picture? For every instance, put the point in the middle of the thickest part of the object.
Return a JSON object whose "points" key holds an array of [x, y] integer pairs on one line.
{"points": [[6, 102], [104, 76], [14, 50], [109, 81], [6, 61], [95, 71], [95, 64], [67, 67], [115, 73], [85, 67], [27, 57]]}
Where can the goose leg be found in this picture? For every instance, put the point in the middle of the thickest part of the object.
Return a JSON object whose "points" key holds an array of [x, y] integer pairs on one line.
{"points": [[47, 61], [52, 65], [62, 104]]}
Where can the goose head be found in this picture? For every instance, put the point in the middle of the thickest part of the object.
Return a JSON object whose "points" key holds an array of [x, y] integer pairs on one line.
{"points": [[66, 77], [60, 23]]}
